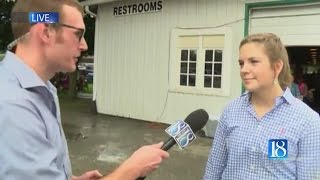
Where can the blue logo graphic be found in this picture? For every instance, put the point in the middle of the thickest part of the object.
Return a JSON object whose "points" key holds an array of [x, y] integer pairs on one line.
{"points": [[185, 137], [277, 149], [182, 133], [43, 17], [174, 129]]}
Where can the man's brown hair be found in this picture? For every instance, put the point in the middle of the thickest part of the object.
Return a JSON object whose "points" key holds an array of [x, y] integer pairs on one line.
{"points": [[25, 6]]}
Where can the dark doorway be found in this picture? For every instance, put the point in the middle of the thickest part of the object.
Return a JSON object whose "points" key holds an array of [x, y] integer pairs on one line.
{"points": [[305, 66]]}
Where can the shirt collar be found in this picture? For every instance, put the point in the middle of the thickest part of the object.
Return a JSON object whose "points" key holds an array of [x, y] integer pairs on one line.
{"points": [[24, 74], [285, 97]]}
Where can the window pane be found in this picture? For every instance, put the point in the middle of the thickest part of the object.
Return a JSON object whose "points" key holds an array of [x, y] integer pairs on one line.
{"points": [[217, 82], [184, 68], [209, 55], [208, 68], [183, 80], [218, 56], [207, 81], [217, 69], [193, 55], [192, 68], [192, 80], [184, 55]]}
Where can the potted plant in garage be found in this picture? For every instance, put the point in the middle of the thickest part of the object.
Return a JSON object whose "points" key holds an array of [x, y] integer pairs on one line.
{"points": [[2, 54], [85, 80]]}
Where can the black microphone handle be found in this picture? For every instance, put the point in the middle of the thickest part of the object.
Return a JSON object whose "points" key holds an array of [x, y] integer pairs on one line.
{"points": [[166, 146]]}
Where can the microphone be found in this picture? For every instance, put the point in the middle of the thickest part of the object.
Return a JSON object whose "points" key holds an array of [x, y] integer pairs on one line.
{"points": [[196, 121]]}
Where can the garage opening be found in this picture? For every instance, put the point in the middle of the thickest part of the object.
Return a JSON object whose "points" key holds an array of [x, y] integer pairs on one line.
{"points": [[305, 66]]}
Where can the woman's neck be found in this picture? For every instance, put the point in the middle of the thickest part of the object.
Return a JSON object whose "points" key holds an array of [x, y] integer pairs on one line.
{"points": [[263, 101]]}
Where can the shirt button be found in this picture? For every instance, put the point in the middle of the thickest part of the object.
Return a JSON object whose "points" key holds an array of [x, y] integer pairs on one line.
{"points": [[252, 167]]}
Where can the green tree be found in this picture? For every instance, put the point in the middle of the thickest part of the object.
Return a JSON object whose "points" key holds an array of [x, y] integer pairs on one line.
{"points": [[5, 24], [89, 35]]}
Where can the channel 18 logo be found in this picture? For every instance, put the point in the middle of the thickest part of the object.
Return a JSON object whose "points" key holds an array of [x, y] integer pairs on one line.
{"points": [[176, 128], [185, 137], [277, 149], [182, 133]]}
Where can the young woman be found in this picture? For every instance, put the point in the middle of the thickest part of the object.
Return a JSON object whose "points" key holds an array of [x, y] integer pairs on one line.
{"points": [[266, 133]]}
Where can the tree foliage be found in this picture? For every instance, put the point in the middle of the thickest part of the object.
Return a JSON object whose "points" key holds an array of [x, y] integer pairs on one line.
{"points": [[6, 35], [89, 35]]}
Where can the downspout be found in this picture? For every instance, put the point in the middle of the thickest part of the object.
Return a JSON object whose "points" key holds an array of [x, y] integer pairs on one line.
{"points": [[93, 108], [87, 10]]}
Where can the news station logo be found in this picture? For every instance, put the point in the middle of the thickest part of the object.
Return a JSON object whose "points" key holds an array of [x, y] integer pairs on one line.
{"points": [[175, 128], [182, 133], [277, 149], [185, 137], [43, 17]]}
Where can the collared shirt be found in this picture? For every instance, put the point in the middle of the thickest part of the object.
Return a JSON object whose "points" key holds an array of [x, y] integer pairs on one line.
{"points": [[240, 145], [32, 141]]}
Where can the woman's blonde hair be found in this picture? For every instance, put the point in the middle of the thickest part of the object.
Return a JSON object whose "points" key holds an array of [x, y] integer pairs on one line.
{"points": [[275, 51]]}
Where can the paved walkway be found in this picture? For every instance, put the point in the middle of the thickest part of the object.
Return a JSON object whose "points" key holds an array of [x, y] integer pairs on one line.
{"points": [[102, 142]]}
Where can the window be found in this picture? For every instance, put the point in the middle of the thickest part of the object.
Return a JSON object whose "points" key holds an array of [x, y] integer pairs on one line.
{"points": [[213, 68], [188, 68], [199, 62], [210, 57]]}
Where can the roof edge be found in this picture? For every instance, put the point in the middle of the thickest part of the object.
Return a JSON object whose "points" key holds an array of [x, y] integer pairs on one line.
{"points": [[95, 2]]}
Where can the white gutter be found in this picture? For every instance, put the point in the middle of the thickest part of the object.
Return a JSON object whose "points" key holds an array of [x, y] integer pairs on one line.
{"points": [[95, 2]]}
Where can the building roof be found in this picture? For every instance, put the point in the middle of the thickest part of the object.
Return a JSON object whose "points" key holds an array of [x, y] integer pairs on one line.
{"points": [[96, 2]]}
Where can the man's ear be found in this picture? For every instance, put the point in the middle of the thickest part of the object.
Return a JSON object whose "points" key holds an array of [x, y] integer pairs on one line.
{"points": [[44, 32]]}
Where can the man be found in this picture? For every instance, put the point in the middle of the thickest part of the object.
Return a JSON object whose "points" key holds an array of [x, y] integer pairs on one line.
{"points": [[32, 141]]}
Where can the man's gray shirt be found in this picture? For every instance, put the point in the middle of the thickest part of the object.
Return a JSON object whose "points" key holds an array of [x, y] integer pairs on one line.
{"points": [[32, 141]]}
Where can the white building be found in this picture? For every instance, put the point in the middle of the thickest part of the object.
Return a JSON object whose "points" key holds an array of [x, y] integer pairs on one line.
{"points": [[159, 60]]}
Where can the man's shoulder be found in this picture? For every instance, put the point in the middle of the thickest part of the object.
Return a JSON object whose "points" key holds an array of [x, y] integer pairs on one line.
{"points": [[10, 88]]}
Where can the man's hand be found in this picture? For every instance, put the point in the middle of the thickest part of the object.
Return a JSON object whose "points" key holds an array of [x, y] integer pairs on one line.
{"points": [[90, 175], [143, 161], [147, 158]]}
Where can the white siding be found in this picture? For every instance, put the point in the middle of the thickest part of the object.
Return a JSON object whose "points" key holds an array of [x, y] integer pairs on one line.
{"points": [[133, 58], [296, 25]]}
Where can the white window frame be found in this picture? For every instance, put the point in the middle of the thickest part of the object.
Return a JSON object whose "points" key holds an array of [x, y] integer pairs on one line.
{"points": [[199, 89]]}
